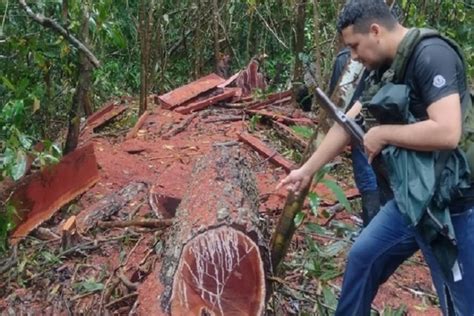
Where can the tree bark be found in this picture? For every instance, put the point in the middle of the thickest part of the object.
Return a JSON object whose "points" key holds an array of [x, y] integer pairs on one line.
{"points": [[298, 44], [81, 95], [144, 21], [317, 48], [217, 260]]}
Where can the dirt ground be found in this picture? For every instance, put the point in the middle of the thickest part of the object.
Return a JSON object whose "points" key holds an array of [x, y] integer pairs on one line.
{"points": [[114, 270]]}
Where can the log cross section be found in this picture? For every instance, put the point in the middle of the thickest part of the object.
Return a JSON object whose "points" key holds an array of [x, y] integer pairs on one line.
{"points": [[217, 259]]}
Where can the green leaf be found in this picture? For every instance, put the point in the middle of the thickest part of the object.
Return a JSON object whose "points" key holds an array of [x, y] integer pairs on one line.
{"points": [[321, 173], [303, 131], [8, 84], [314, 201], [88, 286], [335, 248], [25, 141], [329, 296], [19, 168], [315, 228], [338, 192], [299, 218]]}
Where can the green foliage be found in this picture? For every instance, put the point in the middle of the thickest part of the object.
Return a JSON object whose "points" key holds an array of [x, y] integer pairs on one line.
{"points": [[254, 121], [7, 224], [389, 311], [88, 286], [303, 131], [449, 17]]}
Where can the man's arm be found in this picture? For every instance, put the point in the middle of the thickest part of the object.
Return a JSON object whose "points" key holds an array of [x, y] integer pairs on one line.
{"points": [[331, 146], [441, 131], [437, 83]]}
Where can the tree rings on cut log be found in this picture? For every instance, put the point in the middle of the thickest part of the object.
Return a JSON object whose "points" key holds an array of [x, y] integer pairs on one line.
{"points": [[220, 273], [217, 258]]}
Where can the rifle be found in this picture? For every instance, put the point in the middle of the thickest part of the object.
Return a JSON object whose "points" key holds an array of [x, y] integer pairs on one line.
{"points": [[351, 127], [357, 135]]}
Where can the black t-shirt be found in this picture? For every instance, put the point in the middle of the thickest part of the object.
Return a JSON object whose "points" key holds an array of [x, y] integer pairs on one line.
{"points": [[434, 71]]}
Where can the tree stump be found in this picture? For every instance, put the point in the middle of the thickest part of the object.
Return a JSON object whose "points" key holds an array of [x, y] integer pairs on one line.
{"points": [[217, 257]]}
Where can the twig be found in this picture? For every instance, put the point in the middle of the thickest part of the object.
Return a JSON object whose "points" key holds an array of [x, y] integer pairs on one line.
{"points": [[133, 311], [132, 251], [49, 23], [271, 30], [334, 210], [150, 251], [107, 291], [181, 127], [226, 144], [135, 210], [227, 118], [148, 223], [129, 284], [121, 299]]}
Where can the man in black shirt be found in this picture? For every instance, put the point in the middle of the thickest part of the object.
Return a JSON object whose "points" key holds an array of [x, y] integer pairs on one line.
{"points": [[435, 77]]}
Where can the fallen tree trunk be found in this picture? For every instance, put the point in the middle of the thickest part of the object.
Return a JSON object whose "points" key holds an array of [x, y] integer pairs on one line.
{"points": [[217, 259]]}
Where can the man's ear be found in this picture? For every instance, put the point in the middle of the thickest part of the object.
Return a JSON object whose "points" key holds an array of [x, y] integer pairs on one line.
{"points": [[375, 30]]}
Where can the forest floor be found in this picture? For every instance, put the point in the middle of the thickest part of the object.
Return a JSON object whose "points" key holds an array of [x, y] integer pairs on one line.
{"points": [[116, 270]]}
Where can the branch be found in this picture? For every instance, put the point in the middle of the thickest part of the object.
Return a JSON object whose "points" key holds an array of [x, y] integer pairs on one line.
{"points": [[49, 23]]}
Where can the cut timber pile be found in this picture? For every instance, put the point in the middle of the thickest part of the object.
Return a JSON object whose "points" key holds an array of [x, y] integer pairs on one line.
{"points": [[217, 260]]}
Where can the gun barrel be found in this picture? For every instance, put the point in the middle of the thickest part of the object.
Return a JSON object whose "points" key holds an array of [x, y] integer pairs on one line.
{"points": [[340, 117]]}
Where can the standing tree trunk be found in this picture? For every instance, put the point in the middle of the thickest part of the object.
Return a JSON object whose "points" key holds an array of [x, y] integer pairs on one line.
{"points": [[81, 95], [217, 260], [317, 47], [217, 50], [298, 41], [198, 41], [144, 14]]}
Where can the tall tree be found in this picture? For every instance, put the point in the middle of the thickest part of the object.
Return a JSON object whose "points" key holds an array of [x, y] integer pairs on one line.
{"points": [[145, 21], [299, 40], [81, 98]]}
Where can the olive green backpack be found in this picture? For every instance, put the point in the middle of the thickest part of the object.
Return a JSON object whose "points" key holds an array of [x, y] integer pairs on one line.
{"points": [[397, 70]]}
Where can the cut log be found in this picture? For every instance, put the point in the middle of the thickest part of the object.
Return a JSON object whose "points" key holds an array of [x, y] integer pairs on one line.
{"points": [[132, 133], [281, 118], [217, 258], [202, 104], [104, 115], [40, 195], [110, 205], [187, 92], [290, 137], [272, 98], [266, 151]]}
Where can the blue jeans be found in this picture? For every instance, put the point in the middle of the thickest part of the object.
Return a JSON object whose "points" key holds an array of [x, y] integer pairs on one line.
{"points": [[388, 241], [364, 175]]}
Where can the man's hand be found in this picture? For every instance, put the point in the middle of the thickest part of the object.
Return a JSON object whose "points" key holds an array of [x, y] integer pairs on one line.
{"points": [[295, 181], [374, 142]]}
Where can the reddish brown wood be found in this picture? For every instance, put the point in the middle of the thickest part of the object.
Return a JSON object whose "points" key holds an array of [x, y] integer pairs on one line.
{"points": [[187, 92], [106, 108], [281, 118], [44, 193], [272, 98], [217, 260], [132, 133], [266, 151], [229, 81], [293, 139], [199, 105], [250, 78]]}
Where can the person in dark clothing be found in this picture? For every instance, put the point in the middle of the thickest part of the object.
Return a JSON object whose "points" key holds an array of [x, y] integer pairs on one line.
{"points": [[364, 176], [435, 78]]}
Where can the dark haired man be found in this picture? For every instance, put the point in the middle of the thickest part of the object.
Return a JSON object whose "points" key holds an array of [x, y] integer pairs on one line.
{"points": [[434, 76]]}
